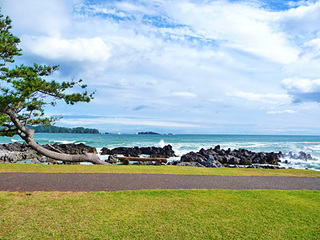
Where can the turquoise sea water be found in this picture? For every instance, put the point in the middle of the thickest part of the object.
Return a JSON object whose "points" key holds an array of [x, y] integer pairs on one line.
{"points": [[185, 143]]}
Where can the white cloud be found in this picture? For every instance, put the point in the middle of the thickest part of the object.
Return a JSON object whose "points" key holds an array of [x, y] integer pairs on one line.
{"points": [[312, 49], [38, 17], [185, 94], [303, 89], [239, 26], [126, 121], [265, 98], [301, 85], [77, 49], [281, 112], [302, 19]]}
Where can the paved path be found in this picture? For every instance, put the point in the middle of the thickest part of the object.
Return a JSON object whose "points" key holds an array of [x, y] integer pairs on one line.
{"points": [[117, 181]]}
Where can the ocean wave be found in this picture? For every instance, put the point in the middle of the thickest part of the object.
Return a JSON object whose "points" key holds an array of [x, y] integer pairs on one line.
{"points": [[62, 141], [236, 145], [15, 140], [300, 164], [184, 148], [314, 147]]}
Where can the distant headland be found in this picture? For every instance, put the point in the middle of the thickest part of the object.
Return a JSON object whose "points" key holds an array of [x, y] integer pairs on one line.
{"points": [[55, 129], [149, 133]]}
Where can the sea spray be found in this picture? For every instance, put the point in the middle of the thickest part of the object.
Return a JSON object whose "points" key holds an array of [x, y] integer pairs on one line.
{"points": [[161, 143]]}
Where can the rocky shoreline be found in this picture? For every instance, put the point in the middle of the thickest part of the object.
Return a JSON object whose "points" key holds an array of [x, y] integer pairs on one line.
{"points": [[212, 157], [153, 152], [237, 158], [17, 152]]}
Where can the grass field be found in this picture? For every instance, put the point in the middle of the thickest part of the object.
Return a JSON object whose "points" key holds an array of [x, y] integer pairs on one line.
{"points": [[154, 169], [161, 214]]}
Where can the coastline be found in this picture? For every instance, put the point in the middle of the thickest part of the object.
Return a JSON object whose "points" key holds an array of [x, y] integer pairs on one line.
{"points": [[183, 144]]}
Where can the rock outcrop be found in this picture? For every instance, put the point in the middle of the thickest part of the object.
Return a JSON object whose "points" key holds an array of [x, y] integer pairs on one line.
{"points": [[153, 152], [300, 156], [112, 159], [71, 148], [16, 152], [217, 157]]}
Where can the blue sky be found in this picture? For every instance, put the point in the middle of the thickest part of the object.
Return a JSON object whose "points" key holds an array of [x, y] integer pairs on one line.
{"points": [[184, 66]]}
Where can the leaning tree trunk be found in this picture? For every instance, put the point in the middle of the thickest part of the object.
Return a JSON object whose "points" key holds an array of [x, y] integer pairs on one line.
{"points": [[27, 135], [86, 157]]}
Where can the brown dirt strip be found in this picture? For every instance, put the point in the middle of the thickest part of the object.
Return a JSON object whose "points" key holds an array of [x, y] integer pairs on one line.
{"points": [[74, 182]]}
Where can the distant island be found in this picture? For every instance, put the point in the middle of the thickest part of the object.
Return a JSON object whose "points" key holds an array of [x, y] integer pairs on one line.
{"points": [[55, 129], [149, 133]]}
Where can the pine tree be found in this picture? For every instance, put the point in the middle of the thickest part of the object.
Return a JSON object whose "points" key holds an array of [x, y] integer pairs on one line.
{"points": [[25, 91]]}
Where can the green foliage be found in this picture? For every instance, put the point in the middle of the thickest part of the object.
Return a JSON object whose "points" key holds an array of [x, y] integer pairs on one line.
{"points": [[26, 90], [54, 129], [8, 42]]}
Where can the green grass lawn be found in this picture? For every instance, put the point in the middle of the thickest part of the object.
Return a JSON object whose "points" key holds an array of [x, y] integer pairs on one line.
{"points": [[154, 169], [161, 214]]}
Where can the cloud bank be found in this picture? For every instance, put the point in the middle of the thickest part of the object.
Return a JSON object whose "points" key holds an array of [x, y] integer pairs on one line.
{"points": [[226, 66], [75, 50]]}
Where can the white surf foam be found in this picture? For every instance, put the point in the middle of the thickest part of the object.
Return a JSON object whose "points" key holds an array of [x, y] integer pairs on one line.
{"points": [[301, 164], [161, 143], [314, 147], [62, 141], [14, 140]]}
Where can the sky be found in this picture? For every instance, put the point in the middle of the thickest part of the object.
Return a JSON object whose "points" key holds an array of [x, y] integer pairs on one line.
{"points": [[182, 66]]}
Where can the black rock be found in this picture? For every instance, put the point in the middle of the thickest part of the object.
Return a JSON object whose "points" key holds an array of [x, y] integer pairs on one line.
{"points": [[15, 152], [71, 148], [193, 157], [112, 159], [300, 156], [105, 151], [153, 152], [212, 163], [190, 164], [209, 157]]}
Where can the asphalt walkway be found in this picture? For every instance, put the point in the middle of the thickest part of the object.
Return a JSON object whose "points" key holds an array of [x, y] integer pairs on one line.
{"points": [[28, 182]]}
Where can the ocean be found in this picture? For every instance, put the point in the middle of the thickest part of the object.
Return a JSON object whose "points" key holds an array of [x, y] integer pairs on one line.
{"points": [[185, 143]]}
